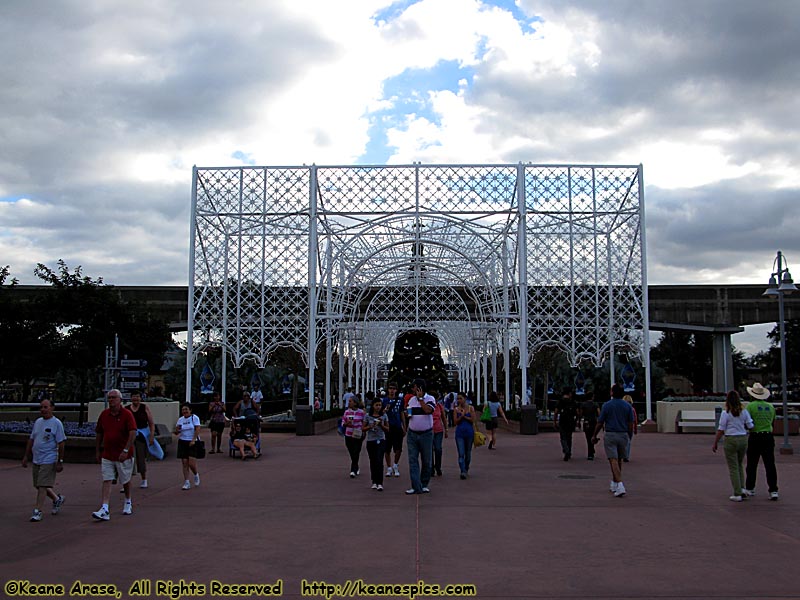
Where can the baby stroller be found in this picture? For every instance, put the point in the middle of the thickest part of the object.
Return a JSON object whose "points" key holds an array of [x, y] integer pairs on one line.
{"points": [[246, 429]]}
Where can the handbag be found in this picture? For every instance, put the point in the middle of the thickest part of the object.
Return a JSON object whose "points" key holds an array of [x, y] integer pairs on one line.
{"points": [[478, 439], [486, 415], [199, 449]]}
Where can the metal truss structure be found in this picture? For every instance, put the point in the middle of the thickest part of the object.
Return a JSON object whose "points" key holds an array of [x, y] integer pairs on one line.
{"points": [[342, 259]]}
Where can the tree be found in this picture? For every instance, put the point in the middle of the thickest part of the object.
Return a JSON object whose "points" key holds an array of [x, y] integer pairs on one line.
{"points": [[792, 333], [417, 354]]}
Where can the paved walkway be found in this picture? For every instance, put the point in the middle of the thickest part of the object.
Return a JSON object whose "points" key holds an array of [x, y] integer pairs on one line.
{"points": [[525, 525]]}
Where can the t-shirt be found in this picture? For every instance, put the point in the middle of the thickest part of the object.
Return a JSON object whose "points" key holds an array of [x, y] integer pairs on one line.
{"points": [[115, 430], [186, 426], [394, 410], [358, 420], [47, 434], [589, 410], [763, 415], [735, 426], [256, 396], [418, 420], [567, 413], [494, 409], [373, 435], [617, 415], [438, 426]]}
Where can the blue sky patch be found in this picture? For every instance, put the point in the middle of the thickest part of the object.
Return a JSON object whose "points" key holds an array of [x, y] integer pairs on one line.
{"points": [[246, 158]]}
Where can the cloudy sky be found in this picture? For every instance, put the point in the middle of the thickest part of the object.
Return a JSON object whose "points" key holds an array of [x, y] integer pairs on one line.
{"points": [[105, 107]]}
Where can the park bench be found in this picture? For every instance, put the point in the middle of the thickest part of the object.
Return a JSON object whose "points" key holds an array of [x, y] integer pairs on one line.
{"points": [[689, 419]]}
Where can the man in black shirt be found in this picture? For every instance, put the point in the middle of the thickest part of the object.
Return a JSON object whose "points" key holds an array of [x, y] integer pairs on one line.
{"points": [[589, 411], [564, 418]]}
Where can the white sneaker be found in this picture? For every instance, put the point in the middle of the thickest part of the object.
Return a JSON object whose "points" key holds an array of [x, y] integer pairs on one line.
{"points": [[426, 490], [748, 493], [395, 471], [612, 486], [620, 491], [143, 485], [410, 491], [58, 503], [127, 509], [389, 471], [352, 474], [735, 498], [197, 480], [374, 486], [101, 514], [37, 515], [358, 472], [380, 487], [773, 495], [186, 485]]}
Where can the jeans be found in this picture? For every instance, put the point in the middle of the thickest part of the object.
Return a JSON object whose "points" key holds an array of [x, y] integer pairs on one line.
{"points": [[464, 446], [588, 431], [566, 441], [419, 445], [437, 451], [354, 448], [761, 445], [375, 451], [735, 448]]}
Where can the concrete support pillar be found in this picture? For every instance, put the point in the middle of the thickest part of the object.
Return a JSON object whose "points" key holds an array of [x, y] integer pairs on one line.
{"points": [[722, 362]]}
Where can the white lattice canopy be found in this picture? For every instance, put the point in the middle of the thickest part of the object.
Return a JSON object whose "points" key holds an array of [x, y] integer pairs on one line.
{"points": [[484, 256]]}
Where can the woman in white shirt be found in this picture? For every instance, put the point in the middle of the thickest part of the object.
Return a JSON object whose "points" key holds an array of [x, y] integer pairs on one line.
{"points": [[188, 431], [733, 424]]}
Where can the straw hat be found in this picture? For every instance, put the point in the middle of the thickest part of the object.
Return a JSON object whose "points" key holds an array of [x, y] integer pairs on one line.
{"points": [[758, 391]]}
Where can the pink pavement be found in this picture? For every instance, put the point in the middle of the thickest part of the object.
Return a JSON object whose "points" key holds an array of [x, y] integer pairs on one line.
{"points": [[524, 525]]}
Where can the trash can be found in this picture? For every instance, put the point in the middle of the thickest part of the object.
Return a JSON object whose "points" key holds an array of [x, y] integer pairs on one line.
{"points": [[304, 423], [529, 420]]}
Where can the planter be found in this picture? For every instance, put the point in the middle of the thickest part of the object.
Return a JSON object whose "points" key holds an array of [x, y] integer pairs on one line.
{"points": [[777, 426]]}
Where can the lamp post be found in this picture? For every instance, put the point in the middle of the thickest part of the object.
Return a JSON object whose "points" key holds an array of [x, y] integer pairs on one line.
{"points": [[781, 284]]}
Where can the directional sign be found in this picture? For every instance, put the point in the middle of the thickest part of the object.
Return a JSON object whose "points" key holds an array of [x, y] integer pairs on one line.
{"points": [[133, 374], [132, 385], [125, 362]]}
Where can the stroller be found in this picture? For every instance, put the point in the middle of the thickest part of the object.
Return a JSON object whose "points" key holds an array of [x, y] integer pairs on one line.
{"points": [[247, 430]]}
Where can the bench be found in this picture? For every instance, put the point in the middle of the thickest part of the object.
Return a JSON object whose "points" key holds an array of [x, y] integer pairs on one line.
{"points": [[688, 419]]}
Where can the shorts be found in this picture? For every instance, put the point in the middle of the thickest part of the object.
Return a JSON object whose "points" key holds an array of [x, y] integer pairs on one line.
{"points": [[184, 449], [491, 424], [394, 439], [216, 427], [112, 469], [44, 476], [615, 444]]}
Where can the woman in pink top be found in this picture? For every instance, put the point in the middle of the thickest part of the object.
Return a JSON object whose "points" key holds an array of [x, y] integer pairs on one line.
{"points": [[439, 433], [353, 420]]}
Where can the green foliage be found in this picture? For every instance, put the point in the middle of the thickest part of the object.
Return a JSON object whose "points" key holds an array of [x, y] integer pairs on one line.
{"points": [[63, 334]]}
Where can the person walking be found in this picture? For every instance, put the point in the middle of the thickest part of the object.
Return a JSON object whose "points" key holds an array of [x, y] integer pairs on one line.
{"points": [[216, 422], [188, 431], [394, 409], [144, 423], [761, 444], [439, 433], [464, 418], [495, 411], [588, 413], [46, 448], [616, 417], [376, 424], [353, 420], [564, 419], [733, 424], [419, 438], [632, 432], [115, 433]]}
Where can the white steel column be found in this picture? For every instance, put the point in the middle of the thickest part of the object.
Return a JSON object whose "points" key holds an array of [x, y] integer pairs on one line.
{"points": [[190, 312], [522, 266], [645, 302], [313, 245]]}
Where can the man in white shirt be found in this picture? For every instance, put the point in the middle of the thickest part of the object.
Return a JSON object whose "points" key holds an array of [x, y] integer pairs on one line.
{"points": [[46, 448], [419, 437], [256, 396]]}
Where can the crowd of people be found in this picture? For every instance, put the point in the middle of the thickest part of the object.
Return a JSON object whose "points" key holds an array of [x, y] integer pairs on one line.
{"points": [[418, 419]]}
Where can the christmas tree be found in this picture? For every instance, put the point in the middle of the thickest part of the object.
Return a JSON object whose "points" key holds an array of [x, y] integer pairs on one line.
{"points": [[418, 354]]}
